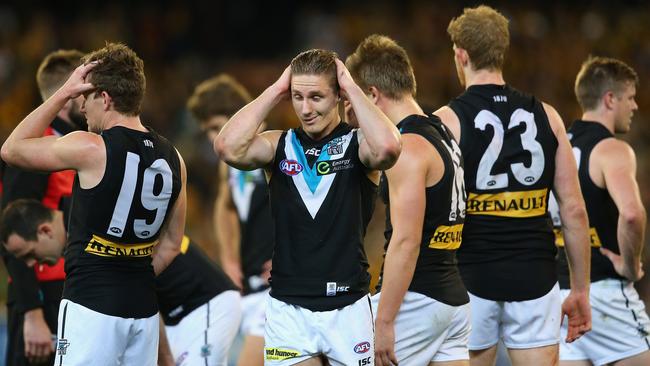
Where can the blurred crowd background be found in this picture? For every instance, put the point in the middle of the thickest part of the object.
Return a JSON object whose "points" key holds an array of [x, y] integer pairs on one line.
{"points": [[185, 42]]}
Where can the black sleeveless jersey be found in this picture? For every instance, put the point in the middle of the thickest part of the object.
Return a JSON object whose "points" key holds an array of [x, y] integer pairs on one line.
{"points": [[509, 150], [250, 194], [321, 202], [115, 225], [601, 209], [436, 273], [190, 281]]}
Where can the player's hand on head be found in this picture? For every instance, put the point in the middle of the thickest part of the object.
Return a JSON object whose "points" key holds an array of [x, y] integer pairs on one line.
{"points": [[283, 84], [343, 77], [621, 268], [37, 336], [385, 345], [578, 311], [77, 83]]}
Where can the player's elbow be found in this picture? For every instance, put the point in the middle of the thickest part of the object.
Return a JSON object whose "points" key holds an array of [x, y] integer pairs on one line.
{"points": [[634, 216], [387, 155], [7, 152], [225, 149]]}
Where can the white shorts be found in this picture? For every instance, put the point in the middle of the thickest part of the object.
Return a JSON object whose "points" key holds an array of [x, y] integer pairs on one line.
{"points": [[521, 324], [427, 330], [204, 336], [294, 334], [619, 325], [254, 313], [86, 337]]}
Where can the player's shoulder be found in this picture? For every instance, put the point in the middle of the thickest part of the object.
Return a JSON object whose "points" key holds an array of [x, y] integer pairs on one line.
{"points": [[614, 149]]}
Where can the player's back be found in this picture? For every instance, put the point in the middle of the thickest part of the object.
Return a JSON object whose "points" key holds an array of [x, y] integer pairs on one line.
{"points": [[509, 151], [115, 225], [601, 209], [436, 273]]}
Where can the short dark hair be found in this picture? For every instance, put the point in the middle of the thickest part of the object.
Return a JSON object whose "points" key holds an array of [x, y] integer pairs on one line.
{"points": [[220, 95], [22, 217], [55, 69], [120, 73], [316, 62], [380, 62], [599, 75]]}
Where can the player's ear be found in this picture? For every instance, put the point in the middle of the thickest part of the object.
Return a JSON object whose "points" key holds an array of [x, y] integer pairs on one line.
{"points": [[106, 100], [373, 94], [45, 228], [608, 100], [461, 55]]}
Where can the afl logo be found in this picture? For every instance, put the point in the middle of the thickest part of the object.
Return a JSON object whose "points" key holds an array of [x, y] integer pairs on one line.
{"points": [[290, 167], [116, 230], [529, 179], [362, 347]]}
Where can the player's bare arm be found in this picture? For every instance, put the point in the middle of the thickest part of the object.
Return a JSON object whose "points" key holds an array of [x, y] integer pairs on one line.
{"points": [[379, 140], [226, 225], [28, 149], [239, 144], [575, 230], [407, 181], [616, 164], [451, 121], [169, 242]]}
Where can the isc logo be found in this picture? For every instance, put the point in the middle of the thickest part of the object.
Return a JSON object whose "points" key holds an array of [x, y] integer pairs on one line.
{"points": [[362, 347], [290, 167]]}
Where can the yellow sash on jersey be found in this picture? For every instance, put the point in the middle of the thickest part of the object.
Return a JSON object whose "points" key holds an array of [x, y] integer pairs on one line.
{"points": [[593, 238], [447, 237], [508, 204], [106, 248]]}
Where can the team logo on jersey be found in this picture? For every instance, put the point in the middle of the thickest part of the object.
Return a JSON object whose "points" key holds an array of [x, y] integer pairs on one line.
{"points": [[279, 354], [291, 167], [62, 346], [333, 166], [335, 146], [362, 347]]}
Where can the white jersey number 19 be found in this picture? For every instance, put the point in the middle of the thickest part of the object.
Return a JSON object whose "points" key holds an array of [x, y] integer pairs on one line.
{"points": [[150, 200]]}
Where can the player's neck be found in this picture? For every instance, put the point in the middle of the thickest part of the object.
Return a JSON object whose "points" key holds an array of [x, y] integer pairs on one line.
{"points": [[397, 110], [483, 77], [599, 117], [118, 119]]}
